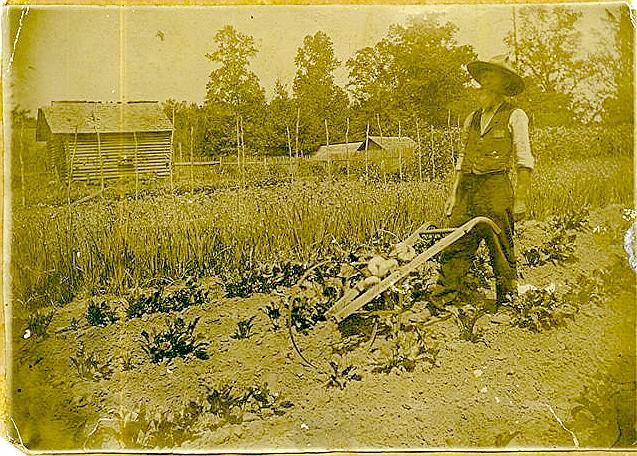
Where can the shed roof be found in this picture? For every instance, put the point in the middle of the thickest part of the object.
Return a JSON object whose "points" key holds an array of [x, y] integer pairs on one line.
{"points": [[391, 143], [336, 149], [104, 117]]}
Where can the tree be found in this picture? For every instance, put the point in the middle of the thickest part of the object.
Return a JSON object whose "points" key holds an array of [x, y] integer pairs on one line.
{"points": [[281, 119], [233, 93], [186, 115], [546, 49], [416, 71], [316, 94], [619, 64]]}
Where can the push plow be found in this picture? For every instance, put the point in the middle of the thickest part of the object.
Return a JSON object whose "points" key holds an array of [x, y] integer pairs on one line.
{"points": [[361, 294], [384, 274]]}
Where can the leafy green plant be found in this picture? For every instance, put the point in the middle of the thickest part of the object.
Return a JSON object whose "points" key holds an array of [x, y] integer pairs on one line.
{"points": [[88, 367], [263, 400], [575, 219], [466, 317], [99, 312], [340, 376], [166, 429], [559, 248], [541, 309], [166, 299], [177, 340], [229, 405], [308, 305], [263, 278], [244, 328], [407, 350], [38, 323], [224, 403], [274, 314]]}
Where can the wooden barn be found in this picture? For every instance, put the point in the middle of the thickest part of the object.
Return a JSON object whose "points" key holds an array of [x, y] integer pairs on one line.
{"points": [[92, 141]]}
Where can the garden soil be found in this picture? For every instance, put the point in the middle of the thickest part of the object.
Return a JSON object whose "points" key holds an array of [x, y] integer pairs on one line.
{"points": [[560, 388]]}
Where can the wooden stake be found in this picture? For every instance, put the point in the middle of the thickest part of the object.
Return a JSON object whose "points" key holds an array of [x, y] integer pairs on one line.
{"points": [[238, 146], [289, 149], [367, 153], [137, 167], [69, 176], [327, 142], [419, 150], [22, 162], [170, 163], [400, 152], [432, 157], [347, 146], [192, 175], [296, 141], [99, 153]]}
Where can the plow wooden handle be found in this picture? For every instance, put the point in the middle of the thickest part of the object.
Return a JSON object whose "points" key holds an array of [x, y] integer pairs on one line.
{"points": [[342, 309]]}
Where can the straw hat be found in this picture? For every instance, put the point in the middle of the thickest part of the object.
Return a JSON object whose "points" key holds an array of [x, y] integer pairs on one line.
{"points": [[501, 63]]}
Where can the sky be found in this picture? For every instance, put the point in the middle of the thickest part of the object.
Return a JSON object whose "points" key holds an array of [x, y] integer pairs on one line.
{"points": [[156, 53]]}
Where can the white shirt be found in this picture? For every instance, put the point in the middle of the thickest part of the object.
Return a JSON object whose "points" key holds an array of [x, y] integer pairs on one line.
{"points": [[519, 128]]}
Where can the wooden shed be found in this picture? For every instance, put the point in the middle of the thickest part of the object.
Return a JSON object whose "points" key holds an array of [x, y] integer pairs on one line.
{"points": [[90, 140]]}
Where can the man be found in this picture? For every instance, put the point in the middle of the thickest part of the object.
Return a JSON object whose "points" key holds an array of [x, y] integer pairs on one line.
{"points": [[497, 142]]}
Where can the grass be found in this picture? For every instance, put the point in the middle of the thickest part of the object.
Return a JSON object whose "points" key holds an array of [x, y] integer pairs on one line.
{"points": [[117, 242]]}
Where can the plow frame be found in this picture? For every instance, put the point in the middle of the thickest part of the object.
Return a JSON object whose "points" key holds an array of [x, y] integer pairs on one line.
{"points": [[353, 300]]}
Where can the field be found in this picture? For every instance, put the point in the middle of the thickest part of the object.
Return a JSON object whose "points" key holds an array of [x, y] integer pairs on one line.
{"points": [[191, 312]]}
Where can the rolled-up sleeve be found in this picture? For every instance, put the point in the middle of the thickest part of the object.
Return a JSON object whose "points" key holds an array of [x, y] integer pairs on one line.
{"points": [[465, 132], [519, 126]]}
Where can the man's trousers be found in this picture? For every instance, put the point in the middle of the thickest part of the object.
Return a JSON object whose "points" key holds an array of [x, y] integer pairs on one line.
{"points": [[488, 195]]}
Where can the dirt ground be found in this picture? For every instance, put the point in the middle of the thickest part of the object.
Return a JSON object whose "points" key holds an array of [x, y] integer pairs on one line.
{"points": [[560, 388]]}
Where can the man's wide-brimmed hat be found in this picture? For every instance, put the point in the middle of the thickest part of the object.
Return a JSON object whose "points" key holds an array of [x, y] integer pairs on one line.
{"points": [[501, 63]]}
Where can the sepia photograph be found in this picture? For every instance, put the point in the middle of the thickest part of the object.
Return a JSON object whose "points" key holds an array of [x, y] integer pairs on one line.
{"points": [[306, 228]]}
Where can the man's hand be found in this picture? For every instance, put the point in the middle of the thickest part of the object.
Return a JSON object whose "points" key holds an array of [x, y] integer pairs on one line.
{"points": [[450, 203], [519, 205], [519, 209]]}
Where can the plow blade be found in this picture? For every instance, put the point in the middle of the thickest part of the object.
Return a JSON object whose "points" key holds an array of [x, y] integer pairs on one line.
{"points": [[352, 302]]}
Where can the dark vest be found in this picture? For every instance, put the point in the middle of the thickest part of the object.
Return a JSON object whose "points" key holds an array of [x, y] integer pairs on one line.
{"points": [[492, 151]]}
